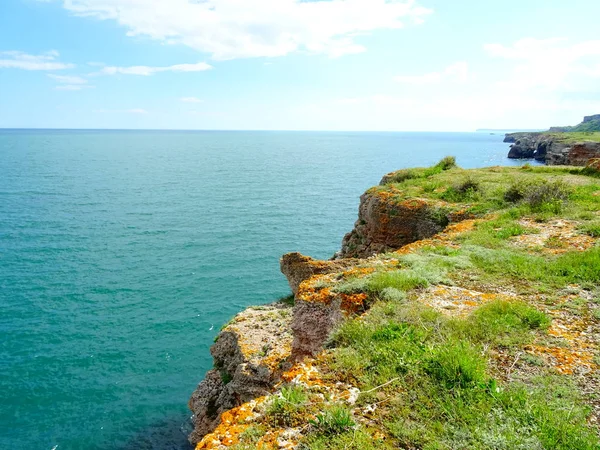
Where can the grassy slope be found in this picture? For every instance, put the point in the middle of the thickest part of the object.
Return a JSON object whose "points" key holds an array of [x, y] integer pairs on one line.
{"points": [[436, 381], [573, 137]]}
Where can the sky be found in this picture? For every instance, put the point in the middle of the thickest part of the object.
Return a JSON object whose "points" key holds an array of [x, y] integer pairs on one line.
{"points": [[351, 65]]}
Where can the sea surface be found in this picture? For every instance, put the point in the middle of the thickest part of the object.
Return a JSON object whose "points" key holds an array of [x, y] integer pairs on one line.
{"points": [[122, 253]]}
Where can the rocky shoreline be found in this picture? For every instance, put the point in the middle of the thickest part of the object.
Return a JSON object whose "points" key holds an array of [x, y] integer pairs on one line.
{"points": [[558, 146]]}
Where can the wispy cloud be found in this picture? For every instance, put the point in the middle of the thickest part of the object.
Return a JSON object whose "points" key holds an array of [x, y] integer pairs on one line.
{"points": [[125, 111], [456, 72], [150, 70], [191, 100], [70, 82], [47, 61], [578, 69], [68, 79], [229, 29]]}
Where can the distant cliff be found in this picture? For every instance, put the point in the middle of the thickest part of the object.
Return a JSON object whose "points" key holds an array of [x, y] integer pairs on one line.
{"points": [[575, 145]]}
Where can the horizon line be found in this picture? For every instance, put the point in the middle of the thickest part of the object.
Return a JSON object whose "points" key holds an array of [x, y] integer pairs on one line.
{"points": [[479, 130]]}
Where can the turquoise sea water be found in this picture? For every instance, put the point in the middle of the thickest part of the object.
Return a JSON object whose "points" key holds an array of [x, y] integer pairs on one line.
{"points": [[123, 252]]}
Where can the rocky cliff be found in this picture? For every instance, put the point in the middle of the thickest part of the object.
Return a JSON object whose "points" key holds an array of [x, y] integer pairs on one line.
{"points": [[574, 146], [370, 347]]}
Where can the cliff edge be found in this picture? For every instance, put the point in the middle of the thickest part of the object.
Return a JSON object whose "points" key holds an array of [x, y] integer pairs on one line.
{"points": [[462, 312]]}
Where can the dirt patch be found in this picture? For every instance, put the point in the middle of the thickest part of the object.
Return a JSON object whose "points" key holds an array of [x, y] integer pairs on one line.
{"points": [[456, 301], [556, 236]]}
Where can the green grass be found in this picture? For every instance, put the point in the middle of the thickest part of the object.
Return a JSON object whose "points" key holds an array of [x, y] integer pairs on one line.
{"points": [[441, 394], [575, 136], [287, 409], [335, 419]]}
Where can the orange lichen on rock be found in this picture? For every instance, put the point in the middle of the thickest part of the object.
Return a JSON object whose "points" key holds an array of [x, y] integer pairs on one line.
{"points": [[354, 302], [457, 301], [233, 423], [577, 350], [444, 238]]}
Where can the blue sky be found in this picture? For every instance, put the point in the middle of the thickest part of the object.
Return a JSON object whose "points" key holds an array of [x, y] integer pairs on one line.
{"points": [[427, 65]]}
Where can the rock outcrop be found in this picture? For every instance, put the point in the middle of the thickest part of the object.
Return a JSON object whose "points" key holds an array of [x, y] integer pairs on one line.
{"points": [[559, 145], [385, 223], [248, 355], [553, 149], [297, 268]]}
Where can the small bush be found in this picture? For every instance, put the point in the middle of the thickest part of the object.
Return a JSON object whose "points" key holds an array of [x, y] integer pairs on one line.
{"points": [[548, 196], [402, 175], [335, 420], [541, 196], [457, 365], [468, 185], [447, 163]]}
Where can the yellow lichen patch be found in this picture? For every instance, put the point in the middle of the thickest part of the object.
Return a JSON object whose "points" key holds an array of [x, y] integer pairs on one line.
{"points": [[444, 238], [576, 353], [456, 301], [358, 272], [353, 302], [233, 423], [556, 236]]}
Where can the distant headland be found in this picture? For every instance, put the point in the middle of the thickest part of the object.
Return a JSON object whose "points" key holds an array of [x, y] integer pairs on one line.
{"points": [[566, 145]]}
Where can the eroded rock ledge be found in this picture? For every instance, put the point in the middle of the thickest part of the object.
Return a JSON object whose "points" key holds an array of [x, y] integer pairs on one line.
{"points": [[248, 355]]}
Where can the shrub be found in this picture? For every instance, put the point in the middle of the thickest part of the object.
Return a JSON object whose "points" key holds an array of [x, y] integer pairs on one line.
{"points": [[402, 175], [548, 196], [539, 196], [467, 185], [337, 419], [447, 163], [457, 365]]}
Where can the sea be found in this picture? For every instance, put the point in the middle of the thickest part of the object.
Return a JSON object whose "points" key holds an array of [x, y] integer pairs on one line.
{"points": [[122, 253]]}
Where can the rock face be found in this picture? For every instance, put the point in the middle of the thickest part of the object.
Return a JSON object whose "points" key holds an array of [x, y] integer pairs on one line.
{"points": [[578, 154], [297, 268], [385, 224], [247, 357], [551, 149]]}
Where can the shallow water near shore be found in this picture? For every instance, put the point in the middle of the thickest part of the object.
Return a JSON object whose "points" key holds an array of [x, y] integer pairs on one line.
{"points": [[122, 253]]}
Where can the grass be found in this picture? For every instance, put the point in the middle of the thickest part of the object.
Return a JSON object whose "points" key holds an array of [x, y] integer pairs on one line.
{"points": [[287, 409], [575, 136]]}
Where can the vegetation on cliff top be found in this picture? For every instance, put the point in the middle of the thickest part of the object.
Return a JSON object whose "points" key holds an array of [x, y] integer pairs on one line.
{"points": [[484, 337]]}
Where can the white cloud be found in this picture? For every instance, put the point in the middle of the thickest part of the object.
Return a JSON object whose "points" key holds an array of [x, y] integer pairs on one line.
{"points": [[70, 82], [70, 87], [126, 111], [455, 72], [148, 70], [229, 29], [550, 64], [21, 60], [68, 79], [191, 100]]}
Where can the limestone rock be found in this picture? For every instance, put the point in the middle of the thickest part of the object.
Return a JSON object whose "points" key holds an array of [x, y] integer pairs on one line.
{"points": [[297, 268], [247, 357], [385, 224]]}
